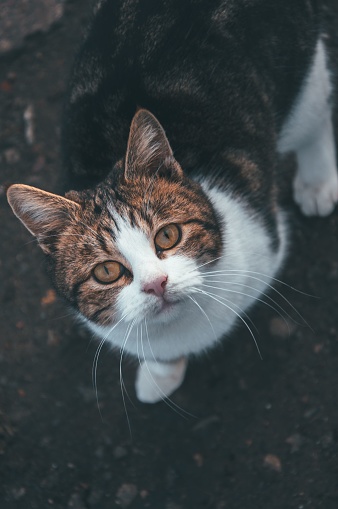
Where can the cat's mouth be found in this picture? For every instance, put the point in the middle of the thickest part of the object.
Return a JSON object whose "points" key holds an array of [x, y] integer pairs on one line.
{"points": [[167, 309], [167, 305]]}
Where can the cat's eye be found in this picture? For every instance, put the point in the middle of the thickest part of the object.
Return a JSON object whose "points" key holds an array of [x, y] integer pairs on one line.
{"points": [[167, 237], [108, 272]]}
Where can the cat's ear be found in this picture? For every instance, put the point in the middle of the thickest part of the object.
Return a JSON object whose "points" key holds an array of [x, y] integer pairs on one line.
{"points": [[43, 214], [148, 149]]}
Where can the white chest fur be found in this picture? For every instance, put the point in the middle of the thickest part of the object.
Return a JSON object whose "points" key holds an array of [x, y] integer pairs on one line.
{"points": [[216, 295]]}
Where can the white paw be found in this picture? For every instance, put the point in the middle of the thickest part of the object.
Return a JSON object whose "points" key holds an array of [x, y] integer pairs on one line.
{"points": [[156, 381], [316, 199]]}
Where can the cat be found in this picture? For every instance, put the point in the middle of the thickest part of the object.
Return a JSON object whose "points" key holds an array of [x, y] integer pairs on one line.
{"points": [[177, 114]]}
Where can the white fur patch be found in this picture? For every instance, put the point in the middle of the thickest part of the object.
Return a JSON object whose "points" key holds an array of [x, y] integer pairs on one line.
{"points": [[311, 106], [197, 320], [309, 131]]}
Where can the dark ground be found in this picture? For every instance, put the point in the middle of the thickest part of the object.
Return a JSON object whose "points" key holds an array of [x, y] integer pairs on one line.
{"points": [[266, 433]]}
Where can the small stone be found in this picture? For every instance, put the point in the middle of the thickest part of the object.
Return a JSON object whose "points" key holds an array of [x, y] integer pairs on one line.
{"points": [[273, 462], [6, 86], [281, 328], [295, 441], [172, 505], [76, 502], [88, 394], [28, 117], [126, 494], [205, 423], [326, 440], [18, 493], [48, 298], [310, 413], [5, 45], [318, 347], [53, 338], [12, 156]]}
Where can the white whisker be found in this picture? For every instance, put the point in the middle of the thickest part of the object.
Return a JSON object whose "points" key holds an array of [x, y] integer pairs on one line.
{"points": [[168, 401], [278, 309], [122, 384], [204, 313], [206, 263], [96, 360], [216, 298], [229, 272], [236, 273]]}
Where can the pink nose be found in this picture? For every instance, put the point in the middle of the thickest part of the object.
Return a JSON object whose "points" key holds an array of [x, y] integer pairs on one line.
{"points": [[157, 286]]}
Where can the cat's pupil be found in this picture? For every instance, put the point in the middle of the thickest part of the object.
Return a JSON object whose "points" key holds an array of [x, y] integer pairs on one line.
{"points": [[106, 270]]}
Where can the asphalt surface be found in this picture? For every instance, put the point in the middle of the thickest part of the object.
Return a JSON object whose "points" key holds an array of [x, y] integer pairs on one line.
{"points": [[247, 434]]}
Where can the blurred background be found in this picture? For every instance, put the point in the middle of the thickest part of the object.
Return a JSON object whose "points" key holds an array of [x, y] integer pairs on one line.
{"points": [[250, 433]]}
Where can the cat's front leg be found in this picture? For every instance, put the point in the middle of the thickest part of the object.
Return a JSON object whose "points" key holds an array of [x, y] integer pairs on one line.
{"points": [[158, 380], [316, 182]]}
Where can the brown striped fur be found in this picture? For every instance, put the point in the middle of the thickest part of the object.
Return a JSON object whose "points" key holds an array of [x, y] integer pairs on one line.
{"points": [[149, 190]]}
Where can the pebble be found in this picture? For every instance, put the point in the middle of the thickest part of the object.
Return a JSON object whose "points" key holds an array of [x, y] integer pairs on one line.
{"points": [[295, 441], [273, 462], [172, 505], [76, 502], [310, 413], [326, 440], [120, 452], [48, 298], [18, 493], [318, 347], [88, 394], [126, 494], [53, 339], [281, 328], [205, 423], [28, 117], [11, 155]]}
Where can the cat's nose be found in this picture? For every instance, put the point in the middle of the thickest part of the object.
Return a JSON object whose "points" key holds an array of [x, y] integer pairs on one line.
{"points": [[156, 286]]}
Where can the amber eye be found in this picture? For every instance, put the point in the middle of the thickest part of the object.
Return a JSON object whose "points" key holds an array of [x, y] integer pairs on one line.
{"points": [[167, 237], [108, 272]]}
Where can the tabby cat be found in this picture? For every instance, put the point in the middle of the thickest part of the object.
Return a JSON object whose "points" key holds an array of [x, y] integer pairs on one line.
{"points": [[176, 116]]}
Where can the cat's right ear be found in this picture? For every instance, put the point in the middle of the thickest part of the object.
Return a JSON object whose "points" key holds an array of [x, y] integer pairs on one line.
{"points": [[149, 151], [43, 214]]}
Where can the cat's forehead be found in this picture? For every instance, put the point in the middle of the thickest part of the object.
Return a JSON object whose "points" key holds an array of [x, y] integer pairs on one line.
{"points": [[144, 202]]}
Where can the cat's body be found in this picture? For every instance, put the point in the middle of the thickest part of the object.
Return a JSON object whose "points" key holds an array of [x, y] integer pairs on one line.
{"points": [[192, 242]]}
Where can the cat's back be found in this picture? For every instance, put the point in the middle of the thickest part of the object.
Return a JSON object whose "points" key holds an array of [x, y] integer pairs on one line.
{"points": [[205, 68]]}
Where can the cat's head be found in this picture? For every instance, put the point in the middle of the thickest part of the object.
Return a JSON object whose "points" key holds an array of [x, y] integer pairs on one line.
{"points": [[132, 246]]}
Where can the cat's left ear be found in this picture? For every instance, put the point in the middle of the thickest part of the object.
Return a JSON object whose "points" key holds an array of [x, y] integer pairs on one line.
{"points": [[149, 150], [44, 214]]}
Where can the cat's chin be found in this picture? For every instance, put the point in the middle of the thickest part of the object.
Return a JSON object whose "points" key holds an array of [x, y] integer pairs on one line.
{"points": [[166, 313]]}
